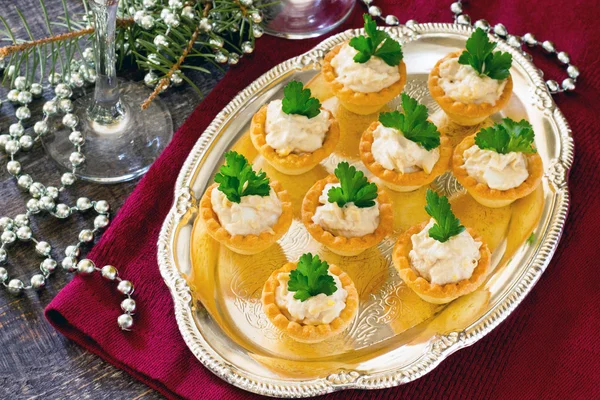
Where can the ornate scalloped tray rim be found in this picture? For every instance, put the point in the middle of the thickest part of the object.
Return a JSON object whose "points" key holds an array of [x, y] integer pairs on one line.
{"points": [[444, 345]]}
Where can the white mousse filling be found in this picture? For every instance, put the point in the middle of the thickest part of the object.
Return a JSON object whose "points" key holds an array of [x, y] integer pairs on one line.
{"points": [[316, 310], [291, 133], [251, 216], [462, 83], [442, 263], [498, 171], [372, 76], [347, 221], [395, 152]]}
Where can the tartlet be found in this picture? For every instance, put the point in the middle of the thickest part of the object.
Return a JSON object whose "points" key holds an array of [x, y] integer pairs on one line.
{"points": [[292, 164], [246, 244], [433, 293], [481, 192], [395, 180], [358, 102], [463, 113], [309, 333], [340, 244]]}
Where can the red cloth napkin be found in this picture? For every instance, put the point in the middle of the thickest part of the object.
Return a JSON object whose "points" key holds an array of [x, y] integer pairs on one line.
{"points": [[548, 348]]}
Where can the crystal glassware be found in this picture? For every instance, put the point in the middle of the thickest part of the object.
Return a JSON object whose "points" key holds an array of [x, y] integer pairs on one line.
{"points": [[121, 139]]}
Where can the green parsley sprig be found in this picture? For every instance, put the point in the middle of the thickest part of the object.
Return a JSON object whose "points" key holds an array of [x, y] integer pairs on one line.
{"points": [[236, 178], [354, 188], [298, 100], [376, 44], [413, 123], [446, 224], [310, 278], [507, 136], [480, 55]]}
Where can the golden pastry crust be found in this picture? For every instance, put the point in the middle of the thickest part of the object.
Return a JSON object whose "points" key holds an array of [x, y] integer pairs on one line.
{"points": [[246, 244], [340, 244], [433, 293], [309, 333], [358, 102], [292, 164], [463, 113], [396, 180], [483, 193]]}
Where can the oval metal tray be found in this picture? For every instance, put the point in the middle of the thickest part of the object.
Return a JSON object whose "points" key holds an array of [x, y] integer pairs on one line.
{"points": [[377, 357]]}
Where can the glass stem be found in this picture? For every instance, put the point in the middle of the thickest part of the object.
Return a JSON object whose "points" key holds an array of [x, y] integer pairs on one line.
{"points": [[106, 108]]}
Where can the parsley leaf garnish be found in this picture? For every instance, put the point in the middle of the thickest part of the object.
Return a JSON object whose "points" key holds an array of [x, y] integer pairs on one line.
{"points": [[376, 44], [236, 178], [354, 188], [447, 225], [297, 100], [480, 55], [413, 123], [507, 136], [310, 278]]}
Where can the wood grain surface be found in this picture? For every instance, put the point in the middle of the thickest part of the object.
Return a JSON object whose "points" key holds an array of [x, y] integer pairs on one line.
{"points": [[36, 362]]}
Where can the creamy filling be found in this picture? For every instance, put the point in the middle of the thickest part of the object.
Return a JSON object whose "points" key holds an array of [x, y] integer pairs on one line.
{"points": [[372, 76], [442, 263], [316, 310], [251, 216], [498, 171], [347, 221], [462, 83], [395, 152], [291, 133]]}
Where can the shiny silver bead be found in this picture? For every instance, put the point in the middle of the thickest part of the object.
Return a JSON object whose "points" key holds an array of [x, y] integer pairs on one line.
{"points": [[563, 57], [70, 120], [463, 19], [54, 79], [48, 266], [16, 130], [20, 83], [529, 39], [62, 211], [257, 31], [12, 147], [247, 47], [233, 59], [43, 248], [149, 4], [568, 84], [500, 30], [25, 97], [4, 138], [10, 71], [50, 107], [246, 3], [63, 91], [69, 264], [150, 79], [109, 272], [76, 137], [205, 25], [220, 57], [482, 24], [40, 128], [83, 204], [33, 206], [392, 20], [15, 286], [172, 20], [456, 8], [65, 105], [548, 46], [47, 203], [36, 190], [256, 17], [147, 22], [76, 158], [26, 142], [86, 236], [3, 273], [85, 266], [24, 233], [128, 305], [125, 287], [76, 80], [216, 42], [125, 322], [52, 192], [6, 224], [513, 41], [72, 251], [21, 220], [101, 206], [36, 90], [13, 96], [177, 4], [88, 54], [573, 71], [8, 237], [176, 78], [3, 258], [38, 281], [367, 2], [164, 12], [188, 12], [101, 221], [161, 40], [552, 86], [374, 11], [67, 179], [13, 167]]}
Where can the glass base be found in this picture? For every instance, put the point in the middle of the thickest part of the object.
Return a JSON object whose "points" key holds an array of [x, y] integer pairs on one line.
{"points": [[121, 151], [303, 19]]}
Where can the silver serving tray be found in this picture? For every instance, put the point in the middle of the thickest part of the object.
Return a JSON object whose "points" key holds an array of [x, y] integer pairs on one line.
{"points": [[423, 45]]}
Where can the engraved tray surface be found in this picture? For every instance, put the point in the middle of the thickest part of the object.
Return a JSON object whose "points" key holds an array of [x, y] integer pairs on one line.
{"points": [[396, 337]]}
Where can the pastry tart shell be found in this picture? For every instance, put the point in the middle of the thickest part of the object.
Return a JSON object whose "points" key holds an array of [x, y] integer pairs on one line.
{"points": [[342, 245], [463, 113], [292, 164], [359, 102], [309, 333], [481, 192], [398, 181], [434, 293], [246, 244]]}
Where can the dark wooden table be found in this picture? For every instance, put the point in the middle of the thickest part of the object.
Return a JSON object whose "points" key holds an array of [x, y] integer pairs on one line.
{"points": [[35, 360]]}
